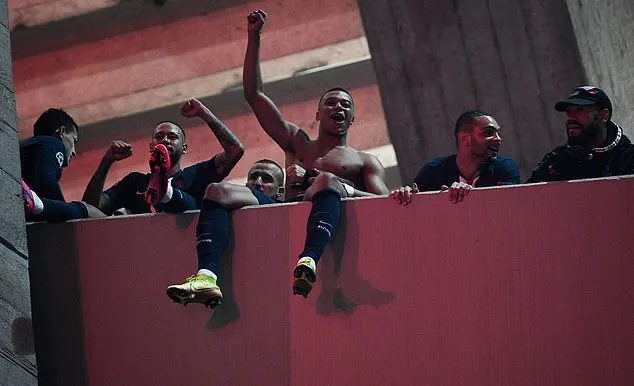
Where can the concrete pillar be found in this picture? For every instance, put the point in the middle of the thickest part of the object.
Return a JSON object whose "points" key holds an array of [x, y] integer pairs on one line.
{"points": [[604, 30], [434, 60], [17, 354]]}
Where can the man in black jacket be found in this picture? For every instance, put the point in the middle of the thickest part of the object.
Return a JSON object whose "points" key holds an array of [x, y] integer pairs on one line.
{"points": [[42, 159], [596, 146]]}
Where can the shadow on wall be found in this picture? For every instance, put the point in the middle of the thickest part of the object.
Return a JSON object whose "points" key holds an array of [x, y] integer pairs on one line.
{"points": [[342, 288], [22, 336], [228, 311]]}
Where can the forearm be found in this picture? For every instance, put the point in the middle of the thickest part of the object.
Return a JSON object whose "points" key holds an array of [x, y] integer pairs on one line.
{"points": [[49, 188], [227, 139], [46, 182], [92, 194], [361, 193], [266, 112], [353, 192], [251, 76]]}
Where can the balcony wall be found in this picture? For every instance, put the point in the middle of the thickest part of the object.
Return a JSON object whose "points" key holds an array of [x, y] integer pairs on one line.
{"points": [[516, 286]]}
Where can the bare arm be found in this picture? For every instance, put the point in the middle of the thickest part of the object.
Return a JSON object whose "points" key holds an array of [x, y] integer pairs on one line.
{"points": [[93, 195], [284, 133], [373, 177], [233, 148]]}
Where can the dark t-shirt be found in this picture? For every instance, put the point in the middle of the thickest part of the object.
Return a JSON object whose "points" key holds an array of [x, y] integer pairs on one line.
{"points": [[193, 180], [42, 158], [444, 171]]}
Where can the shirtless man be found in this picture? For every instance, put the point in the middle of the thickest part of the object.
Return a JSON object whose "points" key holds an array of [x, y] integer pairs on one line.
{"points": [[331, 169], [327, 170]]}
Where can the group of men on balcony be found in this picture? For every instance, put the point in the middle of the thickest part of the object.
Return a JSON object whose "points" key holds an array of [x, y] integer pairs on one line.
{"points": [[323, 171]]}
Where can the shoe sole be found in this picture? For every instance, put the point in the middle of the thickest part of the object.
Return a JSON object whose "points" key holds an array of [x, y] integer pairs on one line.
{"points": [[27, 197], [211, 298], [303, 280], [159, 164]]}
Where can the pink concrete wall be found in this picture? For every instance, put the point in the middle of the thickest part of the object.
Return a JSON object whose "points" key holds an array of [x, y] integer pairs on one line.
{"points": [[516, 286]]}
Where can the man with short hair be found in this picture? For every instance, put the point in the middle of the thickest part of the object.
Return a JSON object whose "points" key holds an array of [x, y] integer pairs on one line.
{"points": [[596, 146], [476, 164], [44, 155], [42, 158], [332, 169], [168, 188], [329, 170], [265, 185]]}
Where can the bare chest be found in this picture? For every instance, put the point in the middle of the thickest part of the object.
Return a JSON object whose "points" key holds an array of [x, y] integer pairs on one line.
{"points": [[342, 162]]}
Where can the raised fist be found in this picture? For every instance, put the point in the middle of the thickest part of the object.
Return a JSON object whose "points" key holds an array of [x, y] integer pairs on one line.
{"points": [[118, 150], [192, 108], [256, 21]]}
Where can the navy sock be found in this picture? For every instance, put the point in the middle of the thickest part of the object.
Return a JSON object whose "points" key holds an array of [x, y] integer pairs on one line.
{"points": [[212, 234], [322, 223], [179, 203], [60, 211]]}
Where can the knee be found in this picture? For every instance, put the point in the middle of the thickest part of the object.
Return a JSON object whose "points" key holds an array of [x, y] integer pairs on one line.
{"points": [[324, 181], [91, 211], [218, 192]]}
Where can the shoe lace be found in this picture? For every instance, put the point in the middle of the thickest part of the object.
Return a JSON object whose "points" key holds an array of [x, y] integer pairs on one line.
{"points": [[190, 279]]}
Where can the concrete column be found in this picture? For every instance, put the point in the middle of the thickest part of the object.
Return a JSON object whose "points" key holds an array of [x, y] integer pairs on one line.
{"points": [[434, 60], [17, 359], [604, 30]]}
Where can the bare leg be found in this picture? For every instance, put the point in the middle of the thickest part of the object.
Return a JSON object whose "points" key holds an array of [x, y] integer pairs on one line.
{"points": [[93, 212], [230, 195]]}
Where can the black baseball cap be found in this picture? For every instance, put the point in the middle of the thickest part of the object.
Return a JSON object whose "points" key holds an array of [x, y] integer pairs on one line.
{"points": [[585, 96]]}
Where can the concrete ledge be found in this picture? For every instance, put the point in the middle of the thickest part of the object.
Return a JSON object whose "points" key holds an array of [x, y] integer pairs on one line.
{"points": [[56, 32], [306, 86]]}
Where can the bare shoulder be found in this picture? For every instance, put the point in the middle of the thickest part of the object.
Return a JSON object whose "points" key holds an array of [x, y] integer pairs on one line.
{"points": [[370, 160], [301, 142]]}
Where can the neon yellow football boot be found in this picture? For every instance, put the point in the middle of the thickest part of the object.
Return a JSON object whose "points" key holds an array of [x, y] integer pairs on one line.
{"points": [[304, 276], [199, 288]]}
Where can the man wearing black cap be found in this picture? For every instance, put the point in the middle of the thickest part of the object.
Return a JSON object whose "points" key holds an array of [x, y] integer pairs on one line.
{"points": [[596, 146]]}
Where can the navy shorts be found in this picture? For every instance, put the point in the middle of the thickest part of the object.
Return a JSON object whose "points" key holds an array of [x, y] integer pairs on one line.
{"points": [[263, 199]]}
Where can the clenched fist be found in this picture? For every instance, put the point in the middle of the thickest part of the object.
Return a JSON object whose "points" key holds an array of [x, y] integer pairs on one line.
{"points": [[256, 20], [192, 108], [118, 150], [295, 174]]}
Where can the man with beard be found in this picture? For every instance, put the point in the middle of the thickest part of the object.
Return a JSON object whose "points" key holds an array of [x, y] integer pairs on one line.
{"points": [[596, 146], [265, 185], [335, 170], [476, 163], [167, 188]]}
